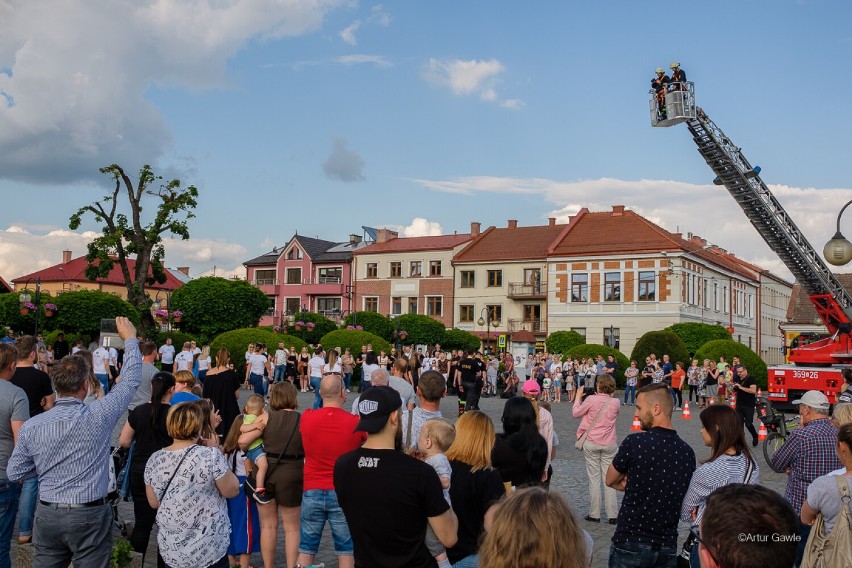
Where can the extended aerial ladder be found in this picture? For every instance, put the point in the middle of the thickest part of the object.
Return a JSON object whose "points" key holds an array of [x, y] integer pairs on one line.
{"points": [[832, 301]]}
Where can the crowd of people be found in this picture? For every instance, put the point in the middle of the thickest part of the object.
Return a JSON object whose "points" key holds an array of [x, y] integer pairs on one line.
{"points": [[219, 480]]}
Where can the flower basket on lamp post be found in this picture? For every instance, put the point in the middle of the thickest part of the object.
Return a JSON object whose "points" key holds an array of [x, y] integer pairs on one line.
{"points": [[177, 316], [49, 310], [299, 325], [161, 315], [26, 307]]}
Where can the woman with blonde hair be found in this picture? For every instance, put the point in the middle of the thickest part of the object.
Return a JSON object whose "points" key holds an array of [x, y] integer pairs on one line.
{"points": [[474, 485], [534, 528], [184, 383]]}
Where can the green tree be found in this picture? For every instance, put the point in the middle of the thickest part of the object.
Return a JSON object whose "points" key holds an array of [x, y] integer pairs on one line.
{"points": [[661, 343], [237, 341], [422, 330], [459, 339], [373, 322], [125, 234], [695, 334], [563, 341], [593, 350], [212, 305], [714, 349], [81, 312]]}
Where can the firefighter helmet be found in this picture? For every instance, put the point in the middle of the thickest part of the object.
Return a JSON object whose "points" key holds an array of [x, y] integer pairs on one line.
{"points": [[674, 65]]}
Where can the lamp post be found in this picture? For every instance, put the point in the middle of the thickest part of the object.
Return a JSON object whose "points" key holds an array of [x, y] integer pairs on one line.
{"points": [[399, 334], [156, 305], [25, 298], [838, 251], [342, 315], [486, 320]]}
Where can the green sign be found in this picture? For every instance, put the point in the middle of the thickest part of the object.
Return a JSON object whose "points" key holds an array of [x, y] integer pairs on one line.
{"points": [[501, 341]]}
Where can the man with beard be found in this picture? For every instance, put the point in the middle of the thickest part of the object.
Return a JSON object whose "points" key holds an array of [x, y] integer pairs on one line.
{"points": [[653, 468], [387, 496]]}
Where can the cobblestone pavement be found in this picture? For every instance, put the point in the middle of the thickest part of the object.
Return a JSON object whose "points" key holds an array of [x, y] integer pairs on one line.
{"points": [[569, 472]]}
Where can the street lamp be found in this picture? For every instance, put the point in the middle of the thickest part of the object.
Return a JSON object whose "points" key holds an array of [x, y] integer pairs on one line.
{"points": [[486, 320], [399, 334], [342, 315], [291, 319], [838, 251], [156, 305], [25, 298]]}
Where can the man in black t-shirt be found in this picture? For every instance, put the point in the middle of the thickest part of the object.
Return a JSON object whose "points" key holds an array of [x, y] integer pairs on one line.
{"points": [[60, 347], [745, 388], [35, 382], [469, 378], [387, 496]]}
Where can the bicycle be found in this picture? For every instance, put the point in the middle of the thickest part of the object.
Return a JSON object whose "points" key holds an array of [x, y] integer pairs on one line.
{"points": [[779, 429]]}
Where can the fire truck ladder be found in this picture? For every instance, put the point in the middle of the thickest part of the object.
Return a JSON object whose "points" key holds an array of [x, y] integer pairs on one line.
{"points": [[832, 301]]}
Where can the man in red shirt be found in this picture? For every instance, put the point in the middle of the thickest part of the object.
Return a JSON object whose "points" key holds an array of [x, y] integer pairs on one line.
{"points": [[327, 433]]}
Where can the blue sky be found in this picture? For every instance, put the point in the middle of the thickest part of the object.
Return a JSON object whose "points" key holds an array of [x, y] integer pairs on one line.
{"points": [[322, 116]]}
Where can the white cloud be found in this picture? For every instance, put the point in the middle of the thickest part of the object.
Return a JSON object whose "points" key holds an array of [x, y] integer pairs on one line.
{"points": [[347, 34], [74, 96], [420, 227], [705, 210], [378, 16], [359, 58], [469, 77], [344, 164]]}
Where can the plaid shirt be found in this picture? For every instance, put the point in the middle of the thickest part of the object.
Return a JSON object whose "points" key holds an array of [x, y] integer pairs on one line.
{"points": [[809, 452]]}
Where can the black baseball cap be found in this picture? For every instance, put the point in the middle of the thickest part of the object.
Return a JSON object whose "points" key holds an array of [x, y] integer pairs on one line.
{"points": [[374, 408]]}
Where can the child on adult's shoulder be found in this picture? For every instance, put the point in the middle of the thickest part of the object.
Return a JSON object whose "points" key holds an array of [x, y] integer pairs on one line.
{"points": [[436, 436], [251, 442]]}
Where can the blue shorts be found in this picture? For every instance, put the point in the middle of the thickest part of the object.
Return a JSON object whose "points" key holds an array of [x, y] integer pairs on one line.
{"points": [[319, 506], [256, 453]]}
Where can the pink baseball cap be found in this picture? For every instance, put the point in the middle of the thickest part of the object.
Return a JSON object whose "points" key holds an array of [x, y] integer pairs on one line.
{"points": [[531, 387]]}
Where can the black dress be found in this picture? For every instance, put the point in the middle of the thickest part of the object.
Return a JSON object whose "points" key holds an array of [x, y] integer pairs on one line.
{"points": [[220, 389]]}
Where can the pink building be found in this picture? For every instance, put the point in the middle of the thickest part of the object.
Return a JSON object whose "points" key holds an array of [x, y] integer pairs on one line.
{"points": [[306, 272]]}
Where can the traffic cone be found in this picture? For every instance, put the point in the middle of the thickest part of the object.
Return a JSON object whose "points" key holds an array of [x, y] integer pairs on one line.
{"points": [[762, 432], [712, 400], [734, 402], [759, 394], [636, 424], [686, 415]]}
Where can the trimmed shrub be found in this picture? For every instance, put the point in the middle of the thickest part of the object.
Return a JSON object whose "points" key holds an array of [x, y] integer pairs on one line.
{"points": [[593, 350], [352, 339], [422, 330], [50, 337], [563, 341], [695, 334], [322, 326], [459, 339], [212, 305], [81, 311], [10, 313], [660, 343], [237, 341], [755, 365], [178, 338], [372, 322]]}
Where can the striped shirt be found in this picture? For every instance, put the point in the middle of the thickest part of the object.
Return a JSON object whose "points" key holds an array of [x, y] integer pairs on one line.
{"points": [[68, 447], [809, 452], [709, 477]]}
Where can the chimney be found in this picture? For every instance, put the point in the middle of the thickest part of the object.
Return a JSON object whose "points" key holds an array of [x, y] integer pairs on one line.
{"points": [[617, 210], [678, 235], [513, 223], [66, 256], [354, 239], [474, 228], [183, 270], [551, 221], [384, 235]]}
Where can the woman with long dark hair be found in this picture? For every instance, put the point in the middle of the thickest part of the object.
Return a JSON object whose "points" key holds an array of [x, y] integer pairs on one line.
{"points": [[146, 427], [730, 461], [222, 388], [371, 363], [520, 452]]}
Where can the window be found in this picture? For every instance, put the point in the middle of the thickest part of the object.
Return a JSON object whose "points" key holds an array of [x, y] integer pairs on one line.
{"points": [[434, 268], [495, 278], [396, 270], [415, 268], [647, 286], [434, 305], [396, 305], [466, 313], [495, 311], [333, 275], [580, 330], [579, 287], [264, 277], [715, 296], [372, 270], [412, 305], [371, 304], [612, 337], [468, 279], [328, 305], [532, 312], [294, 254], [294, 276], [612, 287], [293, 305], [270, 311]]}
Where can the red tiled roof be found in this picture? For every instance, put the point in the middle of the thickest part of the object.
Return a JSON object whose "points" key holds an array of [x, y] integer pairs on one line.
{"points": [[520, 243], [405, 244], [523, 336], [75, 271]]}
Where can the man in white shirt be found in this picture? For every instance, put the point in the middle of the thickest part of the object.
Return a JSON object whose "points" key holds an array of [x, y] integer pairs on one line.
{"points": [[280, 363], [100, 366], [167, 356], [184, 359]]}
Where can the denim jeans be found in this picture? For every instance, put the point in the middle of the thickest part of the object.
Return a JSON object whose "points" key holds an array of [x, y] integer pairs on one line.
{"points": [[635, 555], [27, 507], [103, 378], [347, 380], [256, 382], [319, 506], [471, 561], [630, 394], [280, 373], [10, 492], [315, 383]]}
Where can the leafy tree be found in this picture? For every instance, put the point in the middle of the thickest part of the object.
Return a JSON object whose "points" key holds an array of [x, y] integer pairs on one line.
{"points": [[563, 341], [593, 350], [322, 326], [373, 322], [212, 305], [238, 340], [714, 349], [178, 338], [660, 343], [695, 334], [80, 312], [123, 236], [459, 339], [422, 330]]}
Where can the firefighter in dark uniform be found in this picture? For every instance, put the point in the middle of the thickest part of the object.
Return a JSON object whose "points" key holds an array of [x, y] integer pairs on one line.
{"points": [[658, 85], [678, 76]]}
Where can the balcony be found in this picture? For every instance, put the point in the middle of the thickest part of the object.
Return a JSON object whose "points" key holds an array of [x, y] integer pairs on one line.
{"points": [[322, 286], [534, 326], [265, 282], [323, 280], [523, 291]]}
